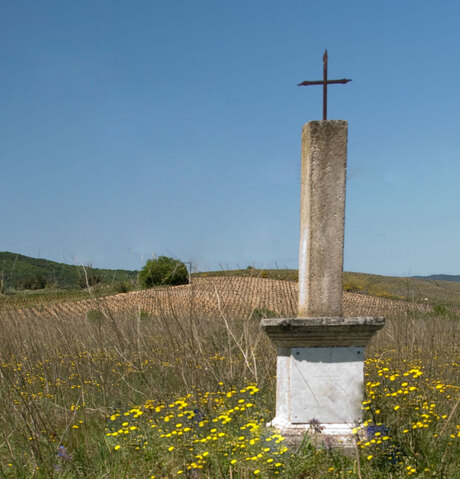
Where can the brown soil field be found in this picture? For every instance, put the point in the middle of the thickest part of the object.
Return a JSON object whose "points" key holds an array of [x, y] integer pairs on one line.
{"points": [[216, 297]]}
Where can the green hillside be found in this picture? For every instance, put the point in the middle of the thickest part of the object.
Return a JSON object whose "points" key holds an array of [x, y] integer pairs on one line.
{"points": [[22, 272]]}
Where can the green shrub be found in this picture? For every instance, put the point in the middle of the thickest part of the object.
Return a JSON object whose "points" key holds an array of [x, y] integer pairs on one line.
{"points": [[163, 271], [95, 316], [123, 287], [352, 286], [440, 310], [262, 313], [36, 281], [144, 315], [88, 277]]}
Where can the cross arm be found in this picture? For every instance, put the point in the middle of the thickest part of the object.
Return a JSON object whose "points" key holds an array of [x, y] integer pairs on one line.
{"points": [[321, 82]]}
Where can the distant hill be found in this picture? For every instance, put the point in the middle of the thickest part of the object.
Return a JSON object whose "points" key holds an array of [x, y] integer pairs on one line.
{"points": [[441, 277], [22, 272]]}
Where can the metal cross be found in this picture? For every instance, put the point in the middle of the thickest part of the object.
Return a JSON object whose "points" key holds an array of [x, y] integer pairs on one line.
{"points": [[325, 82]]}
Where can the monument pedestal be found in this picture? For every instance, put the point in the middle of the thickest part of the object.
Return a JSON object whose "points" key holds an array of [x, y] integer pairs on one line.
{"points": [[320, 363], [320, 375]]}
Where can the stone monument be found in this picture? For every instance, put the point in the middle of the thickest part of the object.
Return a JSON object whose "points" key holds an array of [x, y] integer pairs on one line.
{"points": [[320, 354]]}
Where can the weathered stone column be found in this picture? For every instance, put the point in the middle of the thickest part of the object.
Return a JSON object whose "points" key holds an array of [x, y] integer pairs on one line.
{"points": [[320, 364], [322, 218]]}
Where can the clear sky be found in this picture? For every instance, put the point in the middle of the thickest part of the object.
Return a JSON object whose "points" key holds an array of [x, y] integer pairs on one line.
{"points": [[138, 128]]}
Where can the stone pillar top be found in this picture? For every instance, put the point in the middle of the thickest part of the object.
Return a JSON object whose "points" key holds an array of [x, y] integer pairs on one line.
{"points": [[329, 124]]}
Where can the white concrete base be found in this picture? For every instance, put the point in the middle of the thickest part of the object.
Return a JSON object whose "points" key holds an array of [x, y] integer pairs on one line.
{"points": [[319, 385], [320, 377], [319, 393]]}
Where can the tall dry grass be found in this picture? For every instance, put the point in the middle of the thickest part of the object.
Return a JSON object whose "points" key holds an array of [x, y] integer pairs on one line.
{"points": [[62, 372]]}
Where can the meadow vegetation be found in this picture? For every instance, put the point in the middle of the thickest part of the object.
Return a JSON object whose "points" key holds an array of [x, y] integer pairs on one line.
{"points": [[180, 382]]}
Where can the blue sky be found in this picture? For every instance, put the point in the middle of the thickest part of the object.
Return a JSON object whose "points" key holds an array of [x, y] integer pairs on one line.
{"points": [[134, 128]]}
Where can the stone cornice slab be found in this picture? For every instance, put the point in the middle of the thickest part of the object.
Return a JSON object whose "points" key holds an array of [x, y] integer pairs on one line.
{"points": [[321, 332]]}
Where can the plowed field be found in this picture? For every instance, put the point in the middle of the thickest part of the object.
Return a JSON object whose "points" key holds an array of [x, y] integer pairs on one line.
{"points": [[216, 296]]}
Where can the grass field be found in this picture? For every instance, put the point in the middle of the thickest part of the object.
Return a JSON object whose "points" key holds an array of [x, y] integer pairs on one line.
{"points": [[179, 382]]}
